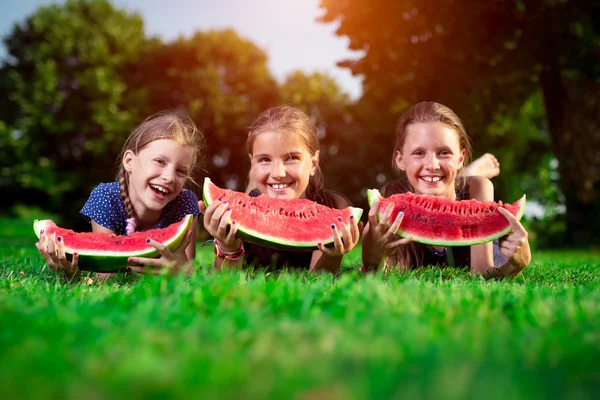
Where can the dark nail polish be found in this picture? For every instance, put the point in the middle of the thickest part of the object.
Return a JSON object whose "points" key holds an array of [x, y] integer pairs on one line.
{"points": [[332, 226], [352, 217], [41, 232], [220, 199], [147, 240], [229, 209], [128, 269], [59, 238], [225, 202]]}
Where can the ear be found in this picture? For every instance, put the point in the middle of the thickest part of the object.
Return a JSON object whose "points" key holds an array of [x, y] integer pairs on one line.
{"points": [[399, 161], [128, 158], [461, 159], [315, 163]]}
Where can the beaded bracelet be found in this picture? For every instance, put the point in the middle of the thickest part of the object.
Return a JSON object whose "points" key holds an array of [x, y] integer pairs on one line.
{"points": [[229, 255]]}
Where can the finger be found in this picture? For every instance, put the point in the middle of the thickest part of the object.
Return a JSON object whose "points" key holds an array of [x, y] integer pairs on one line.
{"points": [[230, 239], [217, 216], [354, 230], [512, 220], [202, 206], [224, 223], [60, 252], [185, 242], [159, 246], [396, 243], [337, 240], [143, 270], [144, 262], [396, 225], [385, 217], [372, 216], [347, 239]]}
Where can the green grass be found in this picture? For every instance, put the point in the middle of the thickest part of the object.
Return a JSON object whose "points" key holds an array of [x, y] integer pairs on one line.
{"points": [[427, 334]]}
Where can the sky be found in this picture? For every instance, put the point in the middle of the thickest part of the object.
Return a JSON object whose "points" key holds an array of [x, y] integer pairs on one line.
{"points": [[286, 30]]}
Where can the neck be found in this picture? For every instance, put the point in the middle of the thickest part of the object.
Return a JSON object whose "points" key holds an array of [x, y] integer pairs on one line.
{"points": [[146, 219]]}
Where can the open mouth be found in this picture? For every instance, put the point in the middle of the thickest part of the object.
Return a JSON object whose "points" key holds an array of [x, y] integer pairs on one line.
{"points": [[431, 179], [279, 186], [160, 190]]}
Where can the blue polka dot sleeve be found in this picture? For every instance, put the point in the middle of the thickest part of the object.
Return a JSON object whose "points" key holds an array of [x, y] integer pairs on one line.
{"points": [[104, 206]]}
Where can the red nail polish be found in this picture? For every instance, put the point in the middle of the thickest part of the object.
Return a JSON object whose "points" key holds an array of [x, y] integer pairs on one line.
{"points": [[340, 219], [232, 222]]}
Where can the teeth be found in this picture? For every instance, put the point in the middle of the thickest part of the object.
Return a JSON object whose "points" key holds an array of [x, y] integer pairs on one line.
{"points": [[432, 179], [280, 186], [165, 191]]}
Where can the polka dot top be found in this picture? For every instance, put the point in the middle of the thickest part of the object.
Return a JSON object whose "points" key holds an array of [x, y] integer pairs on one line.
{"points": [[105, 207]]}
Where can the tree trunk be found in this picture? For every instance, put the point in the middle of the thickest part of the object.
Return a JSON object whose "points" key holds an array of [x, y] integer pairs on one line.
{"points": [[572, 110]]}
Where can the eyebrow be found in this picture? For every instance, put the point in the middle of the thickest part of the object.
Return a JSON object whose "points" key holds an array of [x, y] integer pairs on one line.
{"points": [[289, 153]]}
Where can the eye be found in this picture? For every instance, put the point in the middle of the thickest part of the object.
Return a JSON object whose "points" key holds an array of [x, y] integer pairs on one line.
{"points": [[445, 153], [264, 160], [182, 173], [293, 157], [160, 161], [418, 153]]}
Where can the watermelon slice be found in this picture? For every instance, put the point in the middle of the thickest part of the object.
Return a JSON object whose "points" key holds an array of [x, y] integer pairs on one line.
{"points": [[105, 252], [295, 224], [440, 221]]}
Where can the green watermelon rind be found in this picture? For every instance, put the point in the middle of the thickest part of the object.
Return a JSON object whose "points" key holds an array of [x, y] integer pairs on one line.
{"points": [[113, 261], [275, 242], [373, 194]]}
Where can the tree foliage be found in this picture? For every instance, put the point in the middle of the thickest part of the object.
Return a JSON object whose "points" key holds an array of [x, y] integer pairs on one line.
{"points": [[222, 81], [485, 59], [67, 108]]}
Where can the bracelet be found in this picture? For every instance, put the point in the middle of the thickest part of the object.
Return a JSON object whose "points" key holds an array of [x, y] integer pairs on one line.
{"points": [[229, 255]]}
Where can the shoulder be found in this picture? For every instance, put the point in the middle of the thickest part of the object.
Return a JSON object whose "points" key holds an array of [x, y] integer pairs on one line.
{"points": [[480, 188], [187, 195], [106, 189], [185, 203]]}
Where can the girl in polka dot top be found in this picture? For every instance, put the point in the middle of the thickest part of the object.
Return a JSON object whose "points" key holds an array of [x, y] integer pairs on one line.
{"points": [[156, 161]]}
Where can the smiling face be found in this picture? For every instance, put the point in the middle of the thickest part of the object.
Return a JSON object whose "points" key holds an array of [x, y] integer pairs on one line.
{"points": [[281, 165], [431, 158], [157, 175]]}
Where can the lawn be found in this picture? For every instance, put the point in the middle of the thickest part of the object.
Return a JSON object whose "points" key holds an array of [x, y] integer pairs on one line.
{"points": [[426, 334]]}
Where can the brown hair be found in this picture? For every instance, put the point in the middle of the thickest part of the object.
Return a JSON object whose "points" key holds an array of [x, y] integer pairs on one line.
{"points": [[296, 124], [412, 254], [162, 125]]}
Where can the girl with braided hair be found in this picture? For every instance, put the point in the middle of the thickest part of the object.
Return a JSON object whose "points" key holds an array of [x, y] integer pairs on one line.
{"points": [[157, 159]]}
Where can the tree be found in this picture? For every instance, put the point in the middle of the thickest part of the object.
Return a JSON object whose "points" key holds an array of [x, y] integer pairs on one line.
{"points": [[222, 81], [484, 59], [67, 107]]}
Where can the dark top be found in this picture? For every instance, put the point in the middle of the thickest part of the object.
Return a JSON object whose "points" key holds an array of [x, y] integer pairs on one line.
{"points": [[105, 207], [451, 256], [272, 259]]}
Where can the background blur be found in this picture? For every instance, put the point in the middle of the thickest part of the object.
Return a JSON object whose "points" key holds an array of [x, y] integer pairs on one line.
{"points": [[77, 76]]}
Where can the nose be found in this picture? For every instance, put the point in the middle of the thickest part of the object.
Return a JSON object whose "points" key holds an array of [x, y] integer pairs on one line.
{"points": [[278, 170], [433, 162], [168, 174]]}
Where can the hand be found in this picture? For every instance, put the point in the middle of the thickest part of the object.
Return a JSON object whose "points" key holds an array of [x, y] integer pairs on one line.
{"points": [[176, 261], [52, 248], [515, 246], [217, 221], [344, 243], [378, 240]]}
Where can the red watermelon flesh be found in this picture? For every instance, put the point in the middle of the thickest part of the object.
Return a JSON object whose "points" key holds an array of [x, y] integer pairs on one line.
{"points": [[106, 252], [297, 224], [441, 221]]}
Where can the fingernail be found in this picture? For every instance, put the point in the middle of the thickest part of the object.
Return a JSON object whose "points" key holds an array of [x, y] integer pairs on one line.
{"points": [[401, 214], [129, 260], [220, 199], [41, 232], [225, 202], [59, 238], [75, 254], [229, 209], [147, 240], [332, 226], [319, 244], [128, 269], [352, 217], [340, 219], [232, 222]]}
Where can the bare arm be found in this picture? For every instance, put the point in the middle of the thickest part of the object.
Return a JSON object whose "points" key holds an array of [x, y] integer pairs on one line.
{"points": [[345, 238], [515, 246]]}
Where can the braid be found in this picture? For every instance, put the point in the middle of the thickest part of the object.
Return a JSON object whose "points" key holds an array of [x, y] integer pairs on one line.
{"points": [[129, 210]]}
